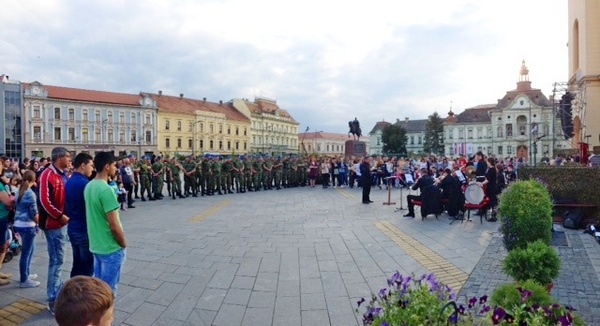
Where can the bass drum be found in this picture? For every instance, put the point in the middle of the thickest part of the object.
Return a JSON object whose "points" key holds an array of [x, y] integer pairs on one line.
{"points": [[474, 194]]}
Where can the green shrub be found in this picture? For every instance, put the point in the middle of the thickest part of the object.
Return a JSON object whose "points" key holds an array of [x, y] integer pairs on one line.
{"points": [[508, 295], [538, 262], [526, 214]]}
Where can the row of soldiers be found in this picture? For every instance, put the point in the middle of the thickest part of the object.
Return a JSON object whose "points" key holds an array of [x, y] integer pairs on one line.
{"points": [[210, 174]]}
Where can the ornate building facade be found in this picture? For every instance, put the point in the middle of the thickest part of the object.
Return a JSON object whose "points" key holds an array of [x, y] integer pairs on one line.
{"points": [[322, 143], [190, 126], [272, 129], [375, 142], [584, 69], [87, 121]]}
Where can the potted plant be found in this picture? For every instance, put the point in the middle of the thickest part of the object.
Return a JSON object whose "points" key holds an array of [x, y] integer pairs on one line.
{"points": [[538, 262], [526, 214]]}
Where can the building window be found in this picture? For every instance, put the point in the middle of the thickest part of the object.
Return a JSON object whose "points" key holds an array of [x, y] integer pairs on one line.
{"points": [[122, 136], [220, 129], [378, 141], [237, 145], [190, 126], [509, 130], [450, 133], [201, 127], [220, 144], [509, 150], [228, 130], [36, 111], [57, 113], [167, 124], [71, 114], [178, 142], [97, 135], [190, 143], [97, 116], [228, 145], [178, 125], [328, 148], [133, 117], [111, 136], [57, 133], [84, 115], [412, 140], [253, 139], [71, 134], [245, 146], [85, 135], [237, 131], [37, 133], [244, 131], [110, 117], [212, 130], [121, 117], [500, 150], [201, 143], [420, 140], [148, 136], [211, 143], [500, 132], [470, 134], [167, 142], [148, 120]]}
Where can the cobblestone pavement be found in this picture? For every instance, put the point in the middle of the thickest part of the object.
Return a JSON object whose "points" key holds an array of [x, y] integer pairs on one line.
{"points": [[297, 256], [577, 285]]}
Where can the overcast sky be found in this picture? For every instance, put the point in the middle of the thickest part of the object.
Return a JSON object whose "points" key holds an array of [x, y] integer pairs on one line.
{"points": [[325, 61]]}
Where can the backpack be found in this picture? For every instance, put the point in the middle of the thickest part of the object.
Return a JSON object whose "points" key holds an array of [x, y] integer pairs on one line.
{"points": [[573, 219]]}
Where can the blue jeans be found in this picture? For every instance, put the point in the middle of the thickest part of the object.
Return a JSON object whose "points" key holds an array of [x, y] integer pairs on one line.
{"points": [[28, 245], [57, 241], [108, 268], [83, 259]]}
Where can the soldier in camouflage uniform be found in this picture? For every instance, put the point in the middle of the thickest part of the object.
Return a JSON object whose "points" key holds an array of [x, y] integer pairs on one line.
{"points": [[267, 169], [167, 174], [248, 172], [215, 175], [257, 172], [206, 174], [286, 167], [302, 175], [145, 177], [158, 172], [226, 171], [189, 178], [238, 174], [135, 167], [277, 172], [198, 176], [294, 172], [175, 174]]}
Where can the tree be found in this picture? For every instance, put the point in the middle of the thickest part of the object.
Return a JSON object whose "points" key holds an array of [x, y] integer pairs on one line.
{"points": [[394, 140], [434, 131]]}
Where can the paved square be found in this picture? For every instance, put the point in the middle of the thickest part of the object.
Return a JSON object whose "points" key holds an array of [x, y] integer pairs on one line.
{"points": [[299, 256]]}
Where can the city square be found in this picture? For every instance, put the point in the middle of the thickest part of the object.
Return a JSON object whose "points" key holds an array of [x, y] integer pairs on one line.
{"points": [[299, 256]]}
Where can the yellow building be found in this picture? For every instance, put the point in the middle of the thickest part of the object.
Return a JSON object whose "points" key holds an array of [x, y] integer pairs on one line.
{"points": [[273, 130], [584, 69], [188, 126]]}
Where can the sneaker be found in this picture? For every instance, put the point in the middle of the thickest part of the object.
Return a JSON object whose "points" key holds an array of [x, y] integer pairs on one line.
{"points": [[5, 276], [32, 276], [4, 281], [29, 284], [50, 307]]}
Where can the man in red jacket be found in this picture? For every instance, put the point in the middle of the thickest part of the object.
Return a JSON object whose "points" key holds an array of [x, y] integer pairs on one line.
{"points": [[53, 219]]}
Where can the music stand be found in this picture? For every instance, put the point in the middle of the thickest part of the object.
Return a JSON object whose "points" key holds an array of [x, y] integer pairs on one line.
{"points": [[409, 181], [387, 182]]}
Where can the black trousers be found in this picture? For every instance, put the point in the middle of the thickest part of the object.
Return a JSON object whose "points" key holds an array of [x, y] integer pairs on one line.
{"points": [[366, 192], [411, 206], [129, 188]]}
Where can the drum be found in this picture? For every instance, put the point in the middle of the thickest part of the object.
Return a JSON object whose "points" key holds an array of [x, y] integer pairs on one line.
{"points": [[474, 194]]}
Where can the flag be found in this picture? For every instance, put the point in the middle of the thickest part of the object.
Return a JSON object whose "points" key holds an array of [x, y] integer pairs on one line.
{"points": [[534, 130]]}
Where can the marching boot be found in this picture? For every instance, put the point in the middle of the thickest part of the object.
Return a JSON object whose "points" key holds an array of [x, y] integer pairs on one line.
{"points": [[229, 191], [174, 196], [250, 189], [220, 193], [143, 199], [180, 195]]}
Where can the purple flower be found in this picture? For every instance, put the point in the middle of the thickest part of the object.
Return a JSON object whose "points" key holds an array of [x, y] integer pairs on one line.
{"points": [[485, 309], [483, 299], [472, 302], [382, 293], [361, 301], [461, 309], [566, 320], [384, 324], [498, 315]]}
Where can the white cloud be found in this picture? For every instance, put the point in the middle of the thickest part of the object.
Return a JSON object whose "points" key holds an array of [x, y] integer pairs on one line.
{"points": [[325, 61]]}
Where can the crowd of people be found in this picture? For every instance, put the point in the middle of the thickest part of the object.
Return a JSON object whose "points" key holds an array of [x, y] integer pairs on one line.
{"points": [[71, 202]]}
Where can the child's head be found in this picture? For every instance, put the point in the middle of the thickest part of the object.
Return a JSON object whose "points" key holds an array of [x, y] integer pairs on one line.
{"points": [[120, 184], [16, 180], [84, 300]]}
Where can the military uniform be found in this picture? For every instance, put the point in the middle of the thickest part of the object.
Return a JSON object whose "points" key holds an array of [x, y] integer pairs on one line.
{"points": [[175, 175], [226, 170], [215, 169], [206, 175], [257, 176], [286, 168], [302, 176], [145, 177], [189, 178], [136, 176], [277, 172], [267, 167], [238, 175], [157, 178], [248, 173], [167, 174], [294, 172]]}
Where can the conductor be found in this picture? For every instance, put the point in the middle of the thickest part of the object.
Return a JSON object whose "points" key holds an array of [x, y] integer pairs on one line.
{"points": [[423, 182]]}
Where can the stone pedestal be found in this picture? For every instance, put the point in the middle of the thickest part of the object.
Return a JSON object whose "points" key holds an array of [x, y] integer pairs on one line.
{"points": [[355, 148]]}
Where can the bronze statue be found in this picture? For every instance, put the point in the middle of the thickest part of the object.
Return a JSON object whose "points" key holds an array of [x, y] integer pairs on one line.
{"points": [[354, 129]]}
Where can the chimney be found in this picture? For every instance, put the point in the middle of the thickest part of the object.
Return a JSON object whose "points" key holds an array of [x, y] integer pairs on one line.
{"points": [[159, 93], [220, 102], [204, 99], [180, 95], [406, 119]]}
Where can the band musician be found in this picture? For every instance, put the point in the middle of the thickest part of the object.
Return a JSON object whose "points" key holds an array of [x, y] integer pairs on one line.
{"points": [[424, 181]]}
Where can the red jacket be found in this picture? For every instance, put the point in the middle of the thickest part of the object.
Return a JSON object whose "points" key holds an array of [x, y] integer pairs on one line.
{"points": [[51, 197]]}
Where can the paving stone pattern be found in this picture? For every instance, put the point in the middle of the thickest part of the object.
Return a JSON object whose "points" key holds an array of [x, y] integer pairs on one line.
{"points": [[297, 256], [577, 285]]}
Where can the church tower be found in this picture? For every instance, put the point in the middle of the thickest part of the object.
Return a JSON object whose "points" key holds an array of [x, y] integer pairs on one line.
{"points": [[584, 69]]}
